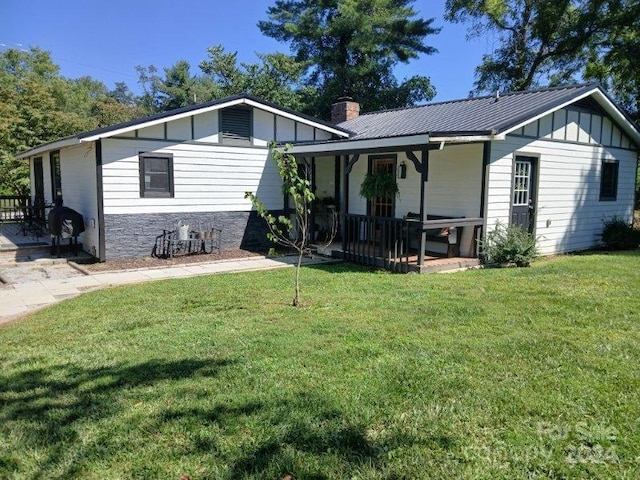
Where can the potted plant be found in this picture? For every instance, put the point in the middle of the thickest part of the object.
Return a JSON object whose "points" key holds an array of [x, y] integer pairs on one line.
{"points": [[379, 185]]}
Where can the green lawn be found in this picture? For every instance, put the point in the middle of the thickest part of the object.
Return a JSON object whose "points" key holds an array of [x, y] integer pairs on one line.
{"points": [[498, 373]]}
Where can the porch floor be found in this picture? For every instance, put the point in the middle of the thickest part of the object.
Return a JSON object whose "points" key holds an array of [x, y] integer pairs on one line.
{"points": [[432, 263], [11, 237]]}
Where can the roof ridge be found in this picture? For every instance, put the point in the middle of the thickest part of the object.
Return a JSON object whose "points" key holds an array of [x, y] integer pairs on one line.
{"points": [[484, 97]]}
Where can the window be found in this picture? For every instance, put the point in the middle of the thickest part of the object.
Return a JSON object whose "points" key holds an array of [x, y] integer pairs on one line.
{"points": [[235, 126], [156, 175], [609, 180], [522, 180], [56, 177]]}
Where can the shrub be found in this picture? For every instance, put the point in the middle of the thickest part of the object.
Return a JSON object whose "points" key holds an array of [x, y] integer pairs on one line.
{"points": [[618, 234], [509, 245]]}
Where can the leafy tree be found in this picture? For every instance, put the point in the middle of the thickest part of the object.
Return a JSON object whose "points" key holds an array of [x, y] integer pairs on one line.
{"points": [[614, 58], [123, 95], [148, 79], [15, 177], [38, 105], [282, 231], [540, 41], [350, 47], [179, 88], [275, 77]]}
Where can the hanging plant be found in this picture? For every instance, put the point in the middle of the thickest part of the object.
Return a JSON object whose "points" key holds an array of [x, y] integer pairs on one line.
{"points": [[379, 185]]}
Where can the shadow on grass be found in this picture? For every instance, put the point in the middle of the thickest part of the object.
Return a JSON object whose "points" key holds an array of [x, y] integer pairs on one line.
{"points": [[48, 406], [65, 421], [300, 436]]}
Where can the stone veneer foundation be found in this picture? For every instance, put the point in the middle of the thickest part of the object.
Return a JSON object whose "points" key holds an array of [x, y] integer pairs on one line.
{"points": [[135, 235]]}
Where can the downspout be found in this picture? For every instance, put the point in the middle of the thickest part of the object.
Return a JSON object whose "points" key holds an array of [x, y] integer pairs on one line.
{"points": [[100, 200]]}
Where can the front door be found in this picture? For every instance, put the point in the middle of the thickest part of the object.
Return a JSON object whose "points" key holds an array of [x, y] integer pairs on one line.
{"points": [[523, 211], [382, 206]]}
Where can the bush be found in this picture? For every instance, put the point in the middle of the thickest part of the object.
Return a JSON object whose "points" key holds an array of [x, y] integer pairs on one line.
{"points": [[618, 234], [509, 245]]}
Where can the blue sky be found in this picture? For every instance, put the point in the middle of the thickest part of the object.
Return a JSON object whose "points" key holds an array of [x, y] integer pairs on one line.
{"points": [[107, 39]]}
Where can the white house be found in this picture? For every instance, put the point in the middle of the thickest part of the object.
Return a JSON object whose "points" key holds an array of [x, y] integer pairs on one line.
{"points": [[133, 180], [556, 161]]}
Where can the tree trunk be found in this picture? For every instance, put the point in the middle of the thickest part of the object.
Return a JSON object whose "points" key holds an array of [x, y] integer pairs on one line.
{"points": [[296, 298]]}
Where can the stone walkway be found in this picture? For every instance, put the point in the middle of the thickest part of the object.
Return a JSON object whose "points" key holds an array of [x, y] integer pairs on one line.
{"points": [[29, 285]]}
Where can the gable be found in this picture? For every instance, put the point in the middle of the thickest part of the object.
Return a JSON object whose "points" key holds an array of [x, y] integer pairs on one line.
{"points": [[583, 122], [234, 125]]}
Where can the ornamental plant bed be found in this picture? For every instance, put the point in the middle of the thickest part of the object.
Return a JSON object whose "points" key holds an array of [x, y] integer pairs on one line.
{"points": [[155, 262]]}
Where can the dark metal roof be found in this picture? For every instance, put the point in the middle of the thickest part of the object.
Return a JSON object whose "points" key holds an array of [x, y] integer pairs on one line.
{"points": [[479, 115]]}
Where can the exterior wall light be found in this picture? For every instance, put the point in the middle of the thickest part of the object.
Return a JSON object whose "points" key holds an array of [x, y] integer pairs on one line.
{"points": [[402, 170]]}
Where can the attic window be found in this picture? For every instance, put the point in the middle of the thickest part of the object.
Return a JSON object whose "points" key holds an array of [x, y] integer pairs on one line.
{"points": [[235, 126]]}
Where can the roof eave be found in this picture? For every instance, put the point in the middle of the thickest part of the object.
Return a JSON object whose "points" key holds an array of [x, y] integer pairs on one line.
{"points": [[47, 147], [356, 146]]}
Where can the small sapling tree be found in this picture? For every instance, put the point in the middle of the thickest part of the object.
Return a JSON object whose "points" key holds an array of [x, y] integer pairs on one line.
{"points": [[293, 234]]}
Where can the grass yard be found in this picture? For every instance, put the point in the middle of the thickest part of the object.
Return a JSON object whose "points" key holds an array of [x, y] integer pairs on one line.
{"points": [[499, 373]]}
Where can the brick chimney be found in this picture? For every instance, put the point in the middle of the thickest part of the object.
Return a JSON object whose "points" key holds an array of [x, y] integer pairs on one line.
{"points": [[344, 109]]}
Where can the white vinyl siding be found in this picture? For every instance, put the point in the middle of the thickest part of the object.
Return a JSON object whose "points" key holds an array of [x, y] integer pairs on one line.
{"points": [[207, 178], [79, 189], [569, 212]]}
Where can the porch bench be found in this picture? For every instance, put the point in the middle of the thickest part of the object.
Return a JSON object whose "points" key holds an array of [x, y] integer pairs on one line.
{"points": [[450, 236]]}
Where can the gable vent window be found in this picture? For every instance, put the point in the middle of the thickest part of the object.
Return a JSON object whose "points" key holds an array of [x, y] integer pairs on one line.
{"points": [[609, 180], [235, 126]]}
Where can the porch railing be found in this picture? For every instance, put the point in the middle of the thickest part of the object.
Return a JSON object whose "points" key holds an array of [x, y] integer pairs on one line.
{"points": [[392, 243], [13, 207], [376, 241]]}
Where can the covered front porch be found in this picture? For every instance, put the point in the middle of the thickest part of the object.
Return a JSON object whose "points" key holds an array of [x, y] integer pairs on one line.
{"points": [[435, 221]]}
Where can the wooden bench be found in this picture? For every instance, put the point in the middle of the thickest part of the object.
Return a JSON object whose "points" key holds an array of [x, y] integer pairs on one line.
{"points": [[450, 236]]}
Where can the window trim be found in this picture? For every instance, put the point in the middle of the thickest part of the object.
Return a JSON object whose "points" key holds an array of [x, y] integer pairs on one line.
{"points": [[609, 195], [55, 167], [144, 192]]}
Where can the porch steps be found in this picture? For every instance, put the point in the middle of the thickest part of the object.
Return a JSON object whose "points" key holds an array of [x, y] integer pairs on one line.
{"points": [[24, 253], [449, 265]]}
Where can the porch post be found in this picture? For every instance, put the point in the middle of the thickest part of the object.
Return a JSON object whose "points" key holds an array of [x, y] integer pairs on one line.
{"points": [[312, 232], [347, 166], [423, 204], [345, 200]]}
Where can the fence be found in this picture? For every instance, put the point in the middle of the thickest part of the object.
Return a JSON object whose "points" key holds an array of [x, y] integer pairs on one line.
{"points": [[13, 207]]}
